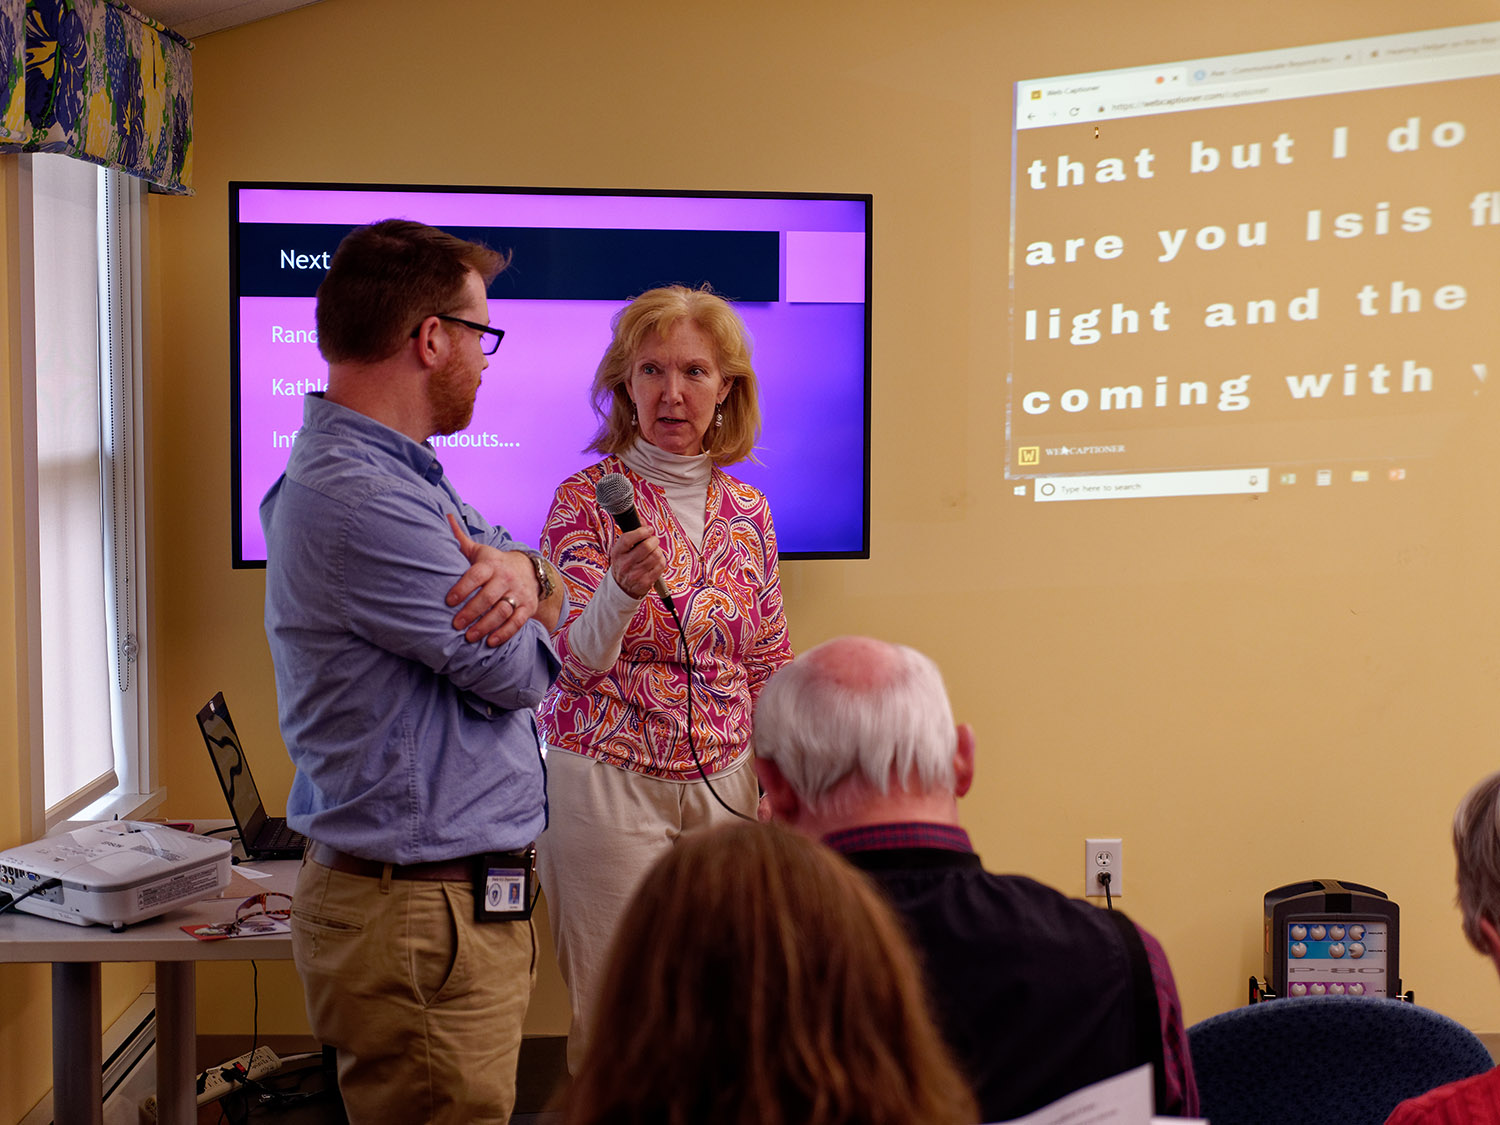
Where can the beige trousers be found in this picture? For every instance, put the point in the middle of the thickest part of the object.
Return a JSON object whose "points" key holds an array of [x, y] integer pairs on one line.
{"points": [[423, 1004], [605, 829]]}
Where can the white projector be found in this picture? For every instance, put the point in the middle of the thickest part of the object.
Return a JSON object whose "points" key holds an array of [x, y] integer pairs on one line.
{"points": [[115, 873]]}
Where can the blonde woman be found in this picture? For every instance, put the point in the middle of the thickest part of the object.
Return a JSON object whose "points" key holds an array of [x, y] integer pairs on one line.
{"points": [[627, 773]]}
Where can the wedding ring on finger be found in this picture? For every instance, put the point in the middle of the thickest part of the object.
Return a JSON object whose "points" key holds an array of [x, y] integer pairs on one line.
{"points": [[509, 599]]}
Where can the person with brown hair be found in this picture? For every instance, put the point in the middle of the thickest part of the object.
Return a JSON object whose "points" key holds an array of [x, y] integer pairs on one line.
{"points": [[645, 740], [756, 978], [418, 763], [1476, 843]]}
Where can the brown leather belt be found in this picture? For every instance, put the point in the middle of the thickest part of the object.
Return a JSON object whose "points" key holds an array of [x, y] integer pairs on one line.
{"points": [[441, 871]]}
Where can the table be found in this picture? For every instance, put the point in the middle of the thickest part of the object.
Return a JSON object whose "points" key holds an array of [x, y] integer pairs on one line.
{"points": [[76, 952]]}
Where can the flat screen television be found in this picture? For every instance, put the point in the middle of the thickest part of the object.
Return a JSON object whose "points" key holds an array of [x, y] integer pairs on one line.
{"points": [[796, 266]]}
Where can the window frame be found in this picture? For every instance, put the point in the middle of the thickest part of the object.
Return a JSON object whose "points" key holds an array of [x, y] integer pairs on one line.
{"points": [[136, 789]]}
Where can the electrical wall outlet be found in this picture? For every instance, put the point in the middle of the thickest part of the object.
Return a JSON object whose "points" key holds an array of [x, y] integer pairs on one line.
{"points": [[1099, 856], [212, 1085]]}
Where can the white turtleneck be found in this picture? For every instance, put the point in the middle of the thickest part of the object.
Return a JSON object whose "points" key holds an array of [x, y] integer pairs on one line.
{"points": [[598, 632], [684, 478]]}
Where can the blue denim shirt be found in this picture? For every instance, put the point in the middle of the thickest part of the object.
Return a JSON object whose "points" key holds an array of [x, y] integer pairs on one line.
{"points": [[410, 743]]}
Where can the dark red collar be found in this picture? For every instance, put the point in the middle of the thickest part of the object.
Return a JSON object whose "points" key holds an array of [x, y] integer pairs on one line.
{"points": [[901, 834]]}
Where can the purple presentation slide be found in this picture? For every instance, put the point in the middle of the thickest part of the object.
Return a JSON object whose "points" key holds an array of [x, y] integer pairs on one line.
{"points": [[796, 266]]}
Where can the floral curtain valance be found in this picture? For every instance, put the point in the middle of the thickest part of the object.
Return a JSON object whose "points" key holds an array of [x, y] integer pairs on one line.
{"points": [[97, 80]]}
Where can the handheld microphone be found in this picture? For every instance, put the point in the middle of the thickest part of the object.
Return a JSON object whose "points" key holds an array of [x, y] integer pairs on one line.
{"points": [[617, 498]]}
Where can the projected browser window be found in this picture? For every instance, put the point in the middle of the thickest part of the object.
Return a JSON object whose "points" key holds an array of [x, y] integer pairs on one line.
{"points": [[1254, 272]]}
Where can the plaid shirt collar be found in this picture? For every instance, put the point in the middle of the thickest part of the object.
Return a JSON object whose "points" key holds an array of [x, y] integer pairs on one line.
{"points": [[903, 834]]}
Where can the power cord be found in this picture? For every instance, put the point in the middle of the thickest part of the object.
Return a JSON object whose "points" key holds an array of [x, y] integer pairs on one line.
{"points": [[44, 885], [1104, 881], [231, 829], [238, 1076], [255, 1008], [276, 1093]]}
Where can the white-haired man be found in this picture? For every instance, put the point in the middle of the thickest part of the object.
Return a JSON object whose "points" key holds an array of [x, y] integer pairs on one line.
{"points": [[1476, 842], [1037, 994]]}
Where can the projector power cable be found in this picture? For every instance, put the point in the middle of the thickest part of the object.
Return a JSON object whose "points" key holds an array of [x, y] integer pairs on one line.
{"points": [[11, 901]]}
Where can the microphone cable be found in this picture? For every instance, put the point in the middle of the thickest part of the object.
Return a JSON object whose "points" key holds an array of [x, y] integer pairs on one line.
{"points": [[616, 497], [687, 656]]}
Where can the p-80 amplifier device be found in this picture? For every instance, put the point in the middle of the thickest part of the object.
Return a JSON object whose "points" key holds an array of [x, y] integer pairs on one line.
{"points": [[1330, 937]]}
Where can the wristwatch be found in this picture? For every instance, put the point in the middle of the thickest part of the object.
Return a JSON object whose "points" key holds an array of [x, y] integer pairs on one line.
{"points": [[543, 581]]}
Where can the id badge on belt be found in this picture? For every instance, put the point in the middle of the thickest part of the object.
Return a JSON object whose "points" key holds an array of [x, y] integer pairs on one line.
{"points": [[504, 885]]}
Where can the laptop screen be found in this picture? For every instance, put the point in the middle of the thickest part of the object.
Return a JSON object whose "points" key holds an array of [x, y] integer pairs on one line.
{"points": [[229, 762]]}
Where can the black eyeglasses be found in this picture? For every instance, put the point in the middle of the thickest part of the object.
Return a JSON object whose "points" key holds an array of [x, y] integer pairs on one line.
{"points": [[489, 338]]}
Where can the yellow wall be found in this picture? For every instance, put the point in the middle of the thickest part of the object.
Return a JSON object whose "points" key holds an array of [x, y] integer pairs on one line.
{"points": [[1158, 674], [1161, 695]]}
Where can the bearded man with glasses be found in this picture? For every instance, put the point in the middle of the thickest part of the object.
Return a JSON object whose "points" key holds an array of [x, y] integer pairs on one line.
{"points": [[411, 644]]}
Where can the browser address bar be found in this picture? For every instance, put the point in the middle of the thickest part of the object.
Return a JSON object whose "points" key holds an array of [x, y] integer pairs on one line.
{"points": [[1139, 486]]}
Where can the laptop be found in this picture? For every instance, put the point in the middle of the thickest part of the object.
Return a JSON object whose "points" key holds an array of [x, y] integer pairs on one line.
{"points": [[262, 836]]}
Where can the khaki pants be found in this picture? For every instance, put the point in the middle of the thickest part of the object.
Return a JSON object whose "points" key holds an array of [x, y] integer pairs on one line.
{"points": [[423, 1004], [606, 827]]}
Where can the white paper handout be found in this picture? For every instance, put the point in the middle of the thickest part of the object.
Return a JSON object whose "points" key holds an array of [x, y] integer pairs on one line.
{"points": [[1125, 1099]]}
